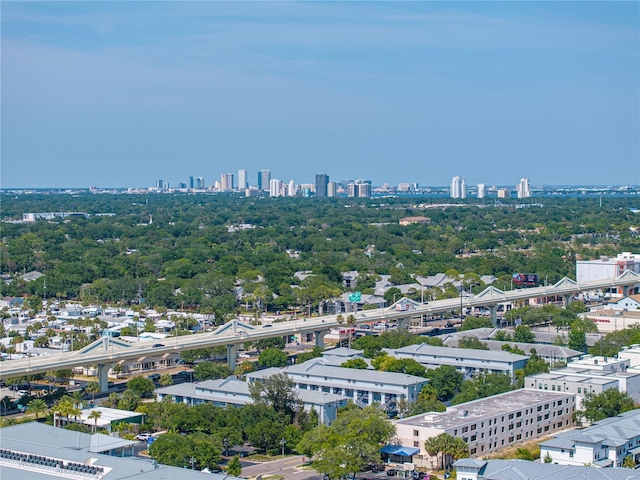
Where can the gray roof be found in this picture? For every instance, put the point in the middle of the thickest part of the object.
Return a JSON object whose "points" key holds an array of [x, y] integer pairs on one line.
{"points": [[318, 368], [543, 350], [234, 391], [523, 470], [57, 443], [470, 353], [613, 432], [342, 352]]}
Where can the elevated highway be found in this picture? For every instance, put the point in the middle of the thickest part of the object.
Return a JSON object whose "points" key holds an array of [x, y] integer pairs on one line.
{"points": [[106, 351]]}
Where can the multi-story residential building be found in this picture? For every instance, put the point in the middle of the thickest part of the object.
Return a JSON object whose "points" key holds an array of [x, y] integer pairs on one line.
{"points": [[234, 392], [364, 387], [472, 469], [322, 183], [458, 187], [490, 424], [604, 444], [504, 193], [466, 360], [359, 188], [523, 189], [482, 190], [226, 182], [276, 188]]}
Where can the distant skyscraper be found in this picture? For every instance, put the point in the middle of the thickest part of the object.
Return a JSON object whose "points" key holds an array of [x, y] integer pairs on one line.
{"points": [[275, 188], [242, 179], [482, 190], [523, 189], [200, 183], [291, 189], [192, 183], [359, 188], [331, 189], [458, 187], [226, 182], [264, 179], [322, 181], [159, 184]]}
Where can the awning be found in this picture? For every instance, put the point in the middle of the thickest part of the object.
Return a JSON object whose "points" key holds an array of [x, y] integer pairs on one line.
{"points": [[399, 450], [634, 451], [604, 463]]}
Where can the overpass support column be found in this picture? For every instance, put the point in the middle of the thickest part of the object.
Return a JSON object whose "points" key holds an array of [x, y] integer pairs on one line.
{"points": [[625, 290], [402, 323], [319, 336], [231, 356], [567, 299], [493, 309], [103, 375]]}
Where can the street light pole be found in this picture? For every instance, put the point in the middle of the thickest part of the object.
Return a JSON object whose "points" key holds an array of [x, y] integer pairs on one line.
{"points": [[283, 442]]}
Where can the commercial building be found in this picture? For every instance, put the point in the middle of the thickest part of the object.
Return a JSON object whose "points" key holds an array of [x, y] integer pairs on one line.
{"points": [[466, 360], [482, 190], [242, 179], [359, 188], [491, 424], [364, 387], [471, 469], [264, 179], [608, 268], [605, 444], [322, 184], [226, 182], [458, 187], [332, 189], [37, 451], [233, 392]]}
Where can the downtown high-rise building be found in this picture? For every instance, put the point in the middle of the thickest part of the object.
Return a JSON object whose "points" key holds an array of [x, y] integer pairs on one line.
{"points": [[226, 182], [332, 189], [322, 182], [482, 190], [264, 179], [458, 187], [523, 189], [200, 183], [242, 179], [159, 184], [192, 183]]}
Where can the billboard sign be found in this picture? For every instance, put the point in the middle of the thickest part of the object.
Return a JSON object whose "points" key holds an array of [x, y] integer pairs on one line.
{"points": [[525, 279]]}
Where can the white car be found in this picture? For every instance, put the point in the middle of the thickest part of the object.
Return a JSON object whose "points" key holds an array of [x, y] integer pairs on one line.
{"points": [[143, 437]]}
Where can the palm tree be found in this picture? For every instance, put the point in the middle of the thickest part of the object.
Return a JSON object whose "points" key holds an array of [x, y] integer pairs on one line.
{"points": [[351, 321], [166, 380], [95, 415], [340, 319], [37, 406], [76, 399], [92, 388]]}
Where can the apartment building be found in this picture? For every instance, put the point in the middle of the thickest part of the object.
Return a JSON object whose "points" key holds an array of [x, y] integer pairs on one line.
{"points": [[231, 392], [605, 444], [364, 387], [491, 424], [466, 360]]}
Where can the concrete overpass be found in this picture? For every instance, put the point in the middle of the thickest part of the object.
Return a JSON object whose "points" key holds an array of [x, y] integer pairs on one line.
{"points": [[107, 351]]}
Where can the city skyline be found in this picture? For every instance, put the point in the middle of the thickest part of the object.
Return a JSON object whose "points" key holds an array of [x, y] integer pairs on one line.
{"points": [[120, 94]]}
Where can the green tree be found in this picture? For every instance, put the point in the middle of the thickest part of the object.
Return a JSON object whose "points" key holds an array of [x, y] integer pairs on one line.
{"points": [[502, 336], [277, 392], [357, 363], [482, 386], [141, 386], [471, 323], [446, 448], [210, 371], [272, 357], [598, 406], [535, 364], [472, 342], [95, 416], [629, 462], [233, 467], [446, 380], [92, 387], [315, 353], [166, 379], [523, 334], [37, 407], [353, 440]]}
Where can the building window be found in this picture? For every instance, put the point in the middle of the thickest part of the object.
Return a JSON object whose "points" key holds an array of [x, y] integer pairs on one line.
{"points": [[416, 444], [415, 433]]}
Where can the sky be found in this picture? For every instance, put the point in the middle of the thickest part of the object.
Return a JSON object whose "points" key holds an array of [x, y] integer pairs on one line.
{"points": [[121, 94]]}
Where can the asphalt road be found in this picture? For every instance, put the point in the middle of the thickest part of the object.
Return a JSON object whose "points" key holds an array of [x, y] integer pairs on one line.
{"points": [[290, 469]]}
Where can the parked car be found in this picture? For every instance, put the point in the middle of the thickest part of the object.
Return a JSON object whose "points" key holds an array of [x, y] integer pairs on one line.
{"points": [[143, 437], [392, 472]]}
